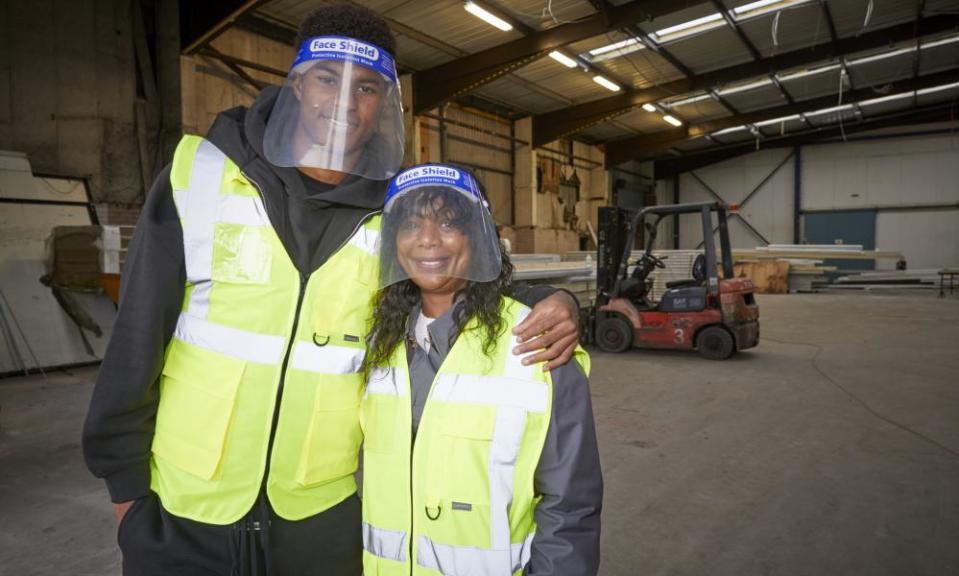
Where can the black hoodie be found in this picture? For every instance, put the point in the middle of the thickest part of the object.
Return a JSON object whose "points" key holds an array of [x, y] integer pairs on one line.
{"points": [[312, 220]]}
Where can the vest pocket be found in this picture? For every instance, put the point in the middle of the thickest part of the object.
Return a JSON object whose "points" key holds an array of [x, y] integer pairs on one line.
{"points": [[197, 394], [331, 448], [379, 414], [241, 254]]}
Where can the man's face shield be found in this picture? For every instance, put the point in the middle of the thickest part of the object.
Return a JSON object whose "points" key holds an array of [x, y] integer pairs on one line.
{"points": [[339, 109], [437, 230]]}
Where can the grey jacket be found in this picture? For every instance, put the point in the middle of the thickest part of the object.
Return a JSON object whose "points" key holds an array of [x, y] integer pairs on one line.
{"points": [[568, 475]]}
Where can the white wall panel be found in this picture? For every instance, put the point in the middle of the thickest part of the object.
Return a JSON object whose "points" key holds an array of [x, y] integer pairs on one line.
{"points": [[926, 239], [881, 173], [770, 210]]}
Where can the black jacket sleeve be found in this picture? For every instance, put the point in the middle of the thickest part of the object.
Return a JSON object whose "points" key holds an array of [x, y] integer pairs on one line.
{"points": [[119, 426], [570, 481]]}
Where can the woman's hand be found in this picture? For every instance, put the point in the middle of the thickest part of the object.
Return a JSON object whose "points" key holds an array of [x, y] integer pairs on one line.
{"points": [[552, 329]]}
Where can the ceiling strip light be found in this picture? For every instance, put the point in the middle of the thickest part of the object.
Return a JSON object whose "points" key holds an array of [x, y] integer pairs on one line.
{"points": [[689, 28], [672, 120], [606, 83], [487, 16], [649, 107], [562, 59], [690, 100], [940, 42], [807, 73], [621, 46], [935, 89], [881, 56], [890, 98], [728, 130], [782, 120], [755, 9], [744, 87]]}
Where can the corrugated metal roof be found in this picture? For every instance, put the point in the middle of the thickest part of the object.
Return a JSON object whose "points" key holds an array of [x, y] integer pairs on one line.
{"points": [[701, 111], [798, 27], [718, 48], [768, 96], [544, 85]]}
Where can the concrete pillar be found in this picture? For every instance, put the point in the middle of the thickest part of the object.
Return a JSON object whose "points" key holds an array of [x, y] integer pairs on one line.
{"points": [[524, 177], [411, 123]]}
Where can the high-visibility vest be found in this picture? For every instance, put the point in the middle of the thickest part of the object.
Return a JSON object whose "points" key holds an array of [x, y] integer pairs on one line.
{"points": [[249, 322], [463, 503]]}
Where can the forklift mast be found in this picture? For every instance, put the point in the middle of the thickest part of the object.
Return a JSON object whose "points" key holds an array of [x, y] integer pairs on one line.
{"points": [[612, 238], [616, 238]]}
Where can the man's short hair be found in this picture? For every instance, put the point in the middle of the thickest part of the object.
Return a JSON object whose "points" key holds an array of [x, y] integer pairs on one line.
{"points": [[347, 20]]}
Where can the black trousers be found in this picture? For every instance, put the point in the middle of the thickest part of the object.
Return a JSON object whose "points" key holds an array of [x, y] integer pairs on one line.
{"points": [[157, 543]]}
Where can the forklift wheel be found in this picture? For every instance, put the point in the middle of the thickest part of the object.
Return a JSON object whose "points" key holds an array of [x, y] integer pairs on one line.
{"points": [[613, 333], [715, 343]]}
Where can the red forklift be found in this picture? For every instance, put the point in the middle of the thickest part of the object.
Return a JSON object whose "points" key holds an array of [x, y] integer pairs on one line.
{"points": [[717, 316]]}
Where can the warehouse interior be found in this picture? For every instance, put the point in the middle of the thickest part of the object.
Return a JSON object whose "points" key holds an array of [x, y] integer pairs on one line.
{"points": [[825, 131]]}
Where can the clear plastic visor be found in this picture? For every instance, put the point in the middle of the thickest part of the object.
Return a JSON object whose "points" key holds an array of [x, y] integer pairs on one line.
{"points": [[340, 115], [438, 236]]}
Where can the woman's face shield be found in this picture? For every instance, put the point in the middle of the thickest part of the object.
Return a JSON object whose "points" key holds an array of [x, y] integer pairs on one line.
{"points": [[339, 109], [437, 230]]}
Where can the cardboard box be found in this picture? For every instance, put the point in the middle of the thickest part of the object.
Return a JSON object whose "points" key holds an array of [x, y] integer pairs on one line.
{"points": [[75, 252]]}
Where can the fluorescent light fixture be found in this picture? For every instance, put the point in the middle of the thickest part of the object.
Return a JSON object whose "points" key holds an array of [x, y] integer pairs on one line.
{"points": [[754, 9], [881, 56], [672, 120], [689, 28], [649, 107], [729, 130], [781, 120], [934, 89], [744, 87], [606, 83], [807, 73], [615, 49], [831, 110], [940, 42], [890, 98], [690, 100], [562, 59], [487, 16]]}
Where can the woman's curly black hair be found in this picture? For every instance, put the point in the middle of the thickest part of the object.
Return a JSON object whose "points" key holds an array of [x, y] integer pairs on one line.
{"points": [[347, 20], [393, 305]]}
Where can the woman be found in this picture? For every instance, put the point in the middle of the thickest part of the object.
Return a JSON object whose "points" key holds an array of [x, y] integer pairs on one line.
{"points": [[473, 463]]}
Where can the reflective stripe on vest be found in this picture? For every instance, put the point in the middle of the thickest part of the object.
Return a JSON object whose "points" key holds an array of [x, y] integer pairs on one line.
{"points": [[467, 379], [467, 561], [243, 312]]}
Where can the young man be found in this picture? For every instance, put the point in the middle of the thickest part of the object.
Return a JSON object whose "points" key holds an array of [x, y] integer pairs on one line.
{"points": [[224, 420]]}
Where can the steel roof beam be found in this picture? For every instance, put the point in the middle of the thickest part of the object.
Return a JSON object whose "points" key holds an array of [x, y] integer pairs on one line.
{"points": [[553, 125], [436, 85], [721, 8], [669, 167], [649, 145], [222, 24]]}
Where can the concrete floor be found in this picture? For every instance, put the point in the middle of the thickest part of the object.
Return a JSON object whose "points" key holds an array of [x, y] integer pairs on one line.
{"points": [[831, 449]]}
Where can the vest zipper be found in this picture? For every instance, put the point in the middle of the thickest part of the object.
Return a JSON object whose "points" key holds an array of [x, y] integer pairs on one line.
{"points": [[304, 279]]}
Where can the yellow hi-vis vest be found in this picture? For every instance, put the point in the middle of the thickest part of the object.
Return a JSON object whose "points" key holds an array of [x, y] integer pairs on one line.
{"points": [[463, 504], [249, 321]]}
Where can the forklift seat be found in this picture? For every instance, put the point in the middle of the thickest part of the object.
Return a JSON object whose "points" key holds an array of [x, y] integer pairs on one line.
{"points": [[690, 283]]}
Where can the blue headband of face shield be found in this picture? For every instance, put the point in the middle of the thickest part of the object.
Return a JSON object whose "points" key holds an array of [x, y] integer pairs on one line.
{"points": [[342, 49], [435, 175]]}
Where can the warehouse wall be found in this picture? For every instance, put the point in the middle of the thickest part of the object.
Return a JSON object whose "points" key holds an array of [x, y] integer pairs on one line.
{"points": [[68, 93], [769, 211], [209, 87], [912, 182]]}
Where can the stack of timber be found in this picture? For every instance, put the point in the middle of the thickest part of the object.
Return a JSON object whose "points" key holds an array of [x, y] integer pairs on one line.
{"points": [[814, 252], [927, 279], [576, 276]]}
